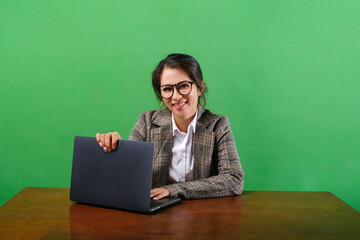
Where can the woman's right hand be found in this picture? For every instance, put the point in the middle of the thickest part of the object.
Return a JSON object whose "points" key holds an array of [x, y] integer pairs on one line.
{"points": [[108, 141]]}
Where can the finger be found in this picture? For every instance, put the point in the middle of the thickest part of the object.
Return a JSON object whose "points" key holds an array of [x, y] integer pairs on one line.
{"points": [[154, 192], [108, 142], [115, 138], [119, 136], [98, 139], [163, 193], [102, 137]]}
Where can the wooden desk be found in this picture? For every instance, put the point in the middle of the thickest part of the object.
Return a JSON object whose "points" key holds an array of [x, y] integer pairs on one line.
{"points": [[47, 213]]}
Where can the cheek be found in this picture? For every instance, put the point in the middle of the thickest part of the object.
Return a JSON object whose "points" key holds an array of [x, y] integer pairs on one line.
{"points": [[167, 102], [194, 97]]}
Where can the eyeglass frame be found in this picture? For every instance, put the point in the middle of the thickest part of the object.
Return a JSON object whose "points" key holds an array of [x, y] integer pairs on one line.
{"points": [[176, 85]]}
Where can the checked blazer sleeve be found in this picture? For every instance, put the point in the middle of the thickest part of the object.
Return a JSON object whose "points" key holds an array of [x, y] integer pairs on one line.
{"points": [[225, 177]]}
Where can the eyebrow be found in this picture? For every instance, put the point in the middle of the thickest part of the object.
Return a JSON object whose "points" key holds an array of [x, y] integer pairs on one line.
{"points": [[175, 83]]}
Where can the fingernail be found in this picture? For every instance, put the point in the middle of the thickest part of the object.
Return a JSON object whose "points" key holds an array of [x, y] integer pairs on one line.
{"points": [[105, 149], [155, 198], [100, 144]]}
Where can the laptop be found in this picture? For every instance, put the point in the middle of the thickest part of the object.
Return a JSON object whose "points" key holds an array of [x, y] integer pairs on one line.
{"points": [[119, 179]]}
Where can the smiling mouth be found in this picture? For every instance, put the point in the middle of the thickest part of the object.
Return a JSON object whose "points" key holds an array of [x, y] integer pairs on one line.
{"points": [[180, 105]]}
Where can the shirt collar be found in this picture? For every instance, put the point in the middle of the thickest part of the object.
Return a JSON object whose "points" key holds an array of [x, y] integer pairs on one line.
{"points": [[191, 127]]}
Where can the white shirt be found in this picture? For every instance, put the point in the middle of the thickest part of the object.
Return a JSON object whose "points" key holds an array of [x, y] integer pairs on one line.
{"points": [[182, 163]]}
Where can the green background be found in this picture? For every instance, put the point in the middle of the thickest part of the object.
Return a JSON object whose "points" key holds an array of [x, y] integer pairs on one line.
{"points": [[286, 73]]}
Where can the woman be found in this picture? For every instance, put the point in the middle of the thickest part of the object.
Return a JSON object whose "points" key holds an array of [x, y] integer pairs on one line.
{"points": [[194, 149]]}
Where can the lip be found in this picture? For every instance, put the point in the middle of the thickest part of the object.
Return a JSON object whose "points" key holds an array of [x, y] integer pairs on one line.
{"points": [[179, 105]]}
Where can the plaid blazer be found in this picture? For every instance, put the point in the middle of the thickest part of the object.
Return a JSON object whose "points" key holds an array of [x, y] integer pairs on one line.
{"points": [[217, 168]]}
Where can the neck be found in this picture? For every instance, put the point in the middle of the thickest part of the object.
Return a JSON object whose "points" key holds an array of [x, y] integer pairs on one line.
{"points": [[183, 124]]}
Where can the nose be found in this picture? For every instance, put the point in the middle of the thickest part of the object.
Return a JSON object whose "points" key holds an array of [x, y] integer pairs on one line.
{"points": [[176, 95]]}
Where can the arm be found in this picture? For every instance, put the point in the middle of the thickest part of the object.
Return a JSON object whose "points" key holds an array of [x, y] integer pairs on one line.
{"points": [[230, 178], [138, 133]]}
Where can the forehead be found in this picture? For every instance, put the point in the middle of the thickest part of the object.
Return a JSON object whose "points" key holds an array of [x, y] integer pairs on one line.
{"points": [[173, 76]]}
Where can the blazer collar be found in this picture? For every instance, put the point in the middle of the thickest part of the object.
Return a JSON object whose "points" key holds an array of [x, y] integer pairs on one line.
{"points": [[164, 118], [202, 142], [204, 118]]}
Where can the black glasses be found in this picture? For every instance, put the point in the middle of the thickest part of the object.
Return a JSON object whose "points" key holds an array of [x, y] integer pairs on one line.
{"points": [[183, 87]]}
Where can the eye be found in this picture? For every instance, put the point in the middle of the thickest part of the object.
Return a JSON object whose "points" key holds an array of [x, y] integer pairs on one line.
{"points": [[184, 85], [166, 89]]}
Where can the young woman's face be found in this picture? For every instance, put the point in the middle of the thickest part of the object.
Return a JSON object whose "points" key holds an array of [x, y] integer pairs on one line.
{"points": [[182, 106]]}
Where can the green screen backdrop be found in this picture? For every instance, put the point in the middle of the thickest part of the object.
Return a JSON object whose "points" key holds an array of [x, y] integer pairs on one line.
{"points": [[286, 73]]}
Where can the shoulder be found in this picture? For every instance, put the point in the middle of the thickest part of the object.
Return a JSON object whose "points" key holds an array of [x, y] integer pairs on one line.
{"points": [[213, 121], [157, 117], [218, 124], [147, 121], [149, 114]]}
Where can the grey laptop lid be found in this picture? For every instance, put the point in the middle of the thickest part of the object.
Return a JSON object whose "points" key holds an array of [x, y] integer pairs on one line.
{"points": [[120, 179]]}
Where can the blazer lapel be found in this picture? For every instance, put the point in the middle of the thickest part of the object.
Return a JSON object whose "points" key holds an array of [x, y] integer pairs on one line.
{"points": [[163, 142], [202, 147], [203, 142]]}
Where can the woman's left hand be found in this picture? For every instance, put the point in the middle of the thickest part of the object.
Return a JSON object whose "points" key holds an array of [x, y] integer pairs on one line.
{"points": [[159, 193]]}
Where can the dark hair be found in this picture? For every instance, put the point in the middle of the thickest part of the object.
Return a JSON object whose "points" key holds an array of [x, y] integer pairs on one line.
{"points": [[184, 62]]}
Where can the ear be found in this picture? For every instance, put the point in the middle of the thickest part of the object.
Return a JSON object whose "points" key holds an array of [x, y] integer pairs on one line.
{"points": [[200, 91]]}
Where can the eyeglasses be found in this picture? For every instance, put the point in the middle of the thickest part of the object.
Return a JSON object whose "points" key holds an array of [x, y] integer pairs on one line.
{"points": [[183, 87]]}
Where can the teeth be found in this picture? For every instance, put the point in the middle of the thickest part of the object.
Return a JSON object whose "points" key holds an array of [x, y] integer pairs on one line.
{"points": [[179, 105]]}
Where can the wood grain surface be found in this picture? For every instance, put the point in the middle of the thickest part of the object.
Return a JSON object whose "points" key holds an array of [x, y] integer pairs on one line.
{"points": [[47, 213]]}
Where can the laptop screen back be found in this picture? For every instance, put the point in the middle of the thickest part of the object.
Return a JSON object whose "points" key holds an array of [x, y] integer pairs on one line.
{"points": [[119, 179]]}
